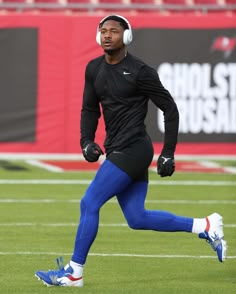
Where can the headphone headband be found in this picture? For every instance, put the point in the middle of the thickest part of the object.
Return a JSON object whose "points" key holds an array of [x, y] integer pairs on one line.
{"points": [[116, 15]]}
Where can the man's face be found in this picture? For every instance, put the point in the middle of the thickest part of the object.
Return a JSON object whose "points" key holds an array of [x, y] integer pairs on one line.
{"points": [[111, 36]]}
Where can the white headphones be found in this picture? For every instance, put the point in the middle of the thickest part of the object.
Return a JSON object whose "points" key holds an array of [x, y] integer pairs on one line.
{"points": [[127, 36]]}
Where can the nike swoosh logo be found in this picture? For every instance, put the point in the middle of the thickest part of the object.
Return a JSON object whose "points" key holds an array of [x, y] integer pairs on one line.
{"points": [[117, 152], [126, 73], [74, 279]]}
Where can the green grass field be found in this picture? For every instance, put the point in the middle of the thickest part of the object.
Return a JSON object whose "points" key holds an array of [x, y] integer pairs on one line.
{"points": [[38, 222]]}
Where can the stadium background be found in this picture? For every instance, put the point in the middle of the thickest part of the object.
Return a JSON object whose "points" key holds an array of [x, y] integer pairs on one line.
{"points": [[44, 49], [45, 46]]}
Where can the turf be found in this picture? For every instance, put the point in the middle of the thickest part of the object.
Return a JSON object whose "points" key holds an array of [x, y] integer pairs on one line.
{"points": [[38, 223]]}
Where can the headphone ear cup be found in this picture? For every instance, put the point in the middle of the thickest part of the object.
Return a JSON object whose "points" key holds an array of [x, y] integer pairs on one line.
{"points": [[127, 37], [98, 37]]}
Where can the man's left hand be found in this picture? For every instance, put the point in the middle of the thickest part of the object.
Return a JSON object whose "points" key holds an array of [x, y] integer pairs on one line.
{"points": [[165, 165]]}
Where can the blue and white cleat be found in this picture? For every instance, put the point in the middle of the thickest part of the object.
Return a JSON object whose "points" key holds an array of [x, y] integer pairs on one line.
{"points": [[61, 277], [68, 280], [214, 235]]}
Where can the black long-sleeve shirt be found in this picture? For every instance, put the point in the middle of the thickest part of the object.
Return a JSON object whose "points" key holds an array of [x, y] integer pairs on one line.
{"points": [[123, 91]]}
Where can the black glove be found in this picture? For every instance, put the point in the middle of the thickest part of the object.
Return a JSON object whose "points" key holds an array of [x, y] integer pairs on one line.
{"points": [[91, 151], [165, 165]]}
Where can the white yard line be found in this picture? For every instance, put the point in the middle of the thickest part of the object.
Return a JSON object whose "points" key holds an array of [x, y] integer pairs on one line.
{"points": [[45, 182], [230, 169], [86, 182], [114, 201], [193, 183], [79, 156], [173, 256], [44, 165], [118, 225], [42, 156], [54, 168], [210, 164]]}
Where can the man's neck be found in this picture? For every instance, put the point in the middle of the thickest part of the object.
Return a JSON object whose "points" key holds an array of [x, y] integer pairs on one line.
{"points": [[115, 57]]}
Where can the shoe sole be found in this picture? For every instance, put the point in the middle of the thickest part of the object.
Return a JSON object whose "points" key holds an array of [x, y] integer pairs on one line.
{"points": [[222, 254], [69, 283], [75, 284], [46, 284]]}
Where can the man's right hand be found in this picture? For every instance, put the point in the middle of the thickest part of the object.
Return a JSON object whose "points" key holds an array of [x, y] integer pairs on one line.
{"points": [[91, 151]]}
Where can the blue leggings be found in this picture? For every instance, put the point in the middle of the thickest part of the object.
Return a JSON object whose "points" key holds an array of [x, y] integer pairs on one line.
{"points": [[108, 182]]}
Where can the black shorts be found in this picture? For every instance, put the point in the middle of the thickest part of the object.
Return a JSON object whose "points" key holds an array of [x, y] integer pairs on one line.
{"points": [[135, 158]]}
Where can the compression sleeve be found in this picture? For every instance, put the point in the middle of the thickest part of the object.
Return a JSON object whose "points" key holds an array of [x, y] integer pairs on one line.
{"points": [[90, 112], [151, 87]]}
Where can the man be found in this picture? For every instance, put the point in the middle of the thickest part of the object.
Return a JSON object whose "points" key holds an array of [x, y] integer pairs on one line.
{"points": [[123, 84]]}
